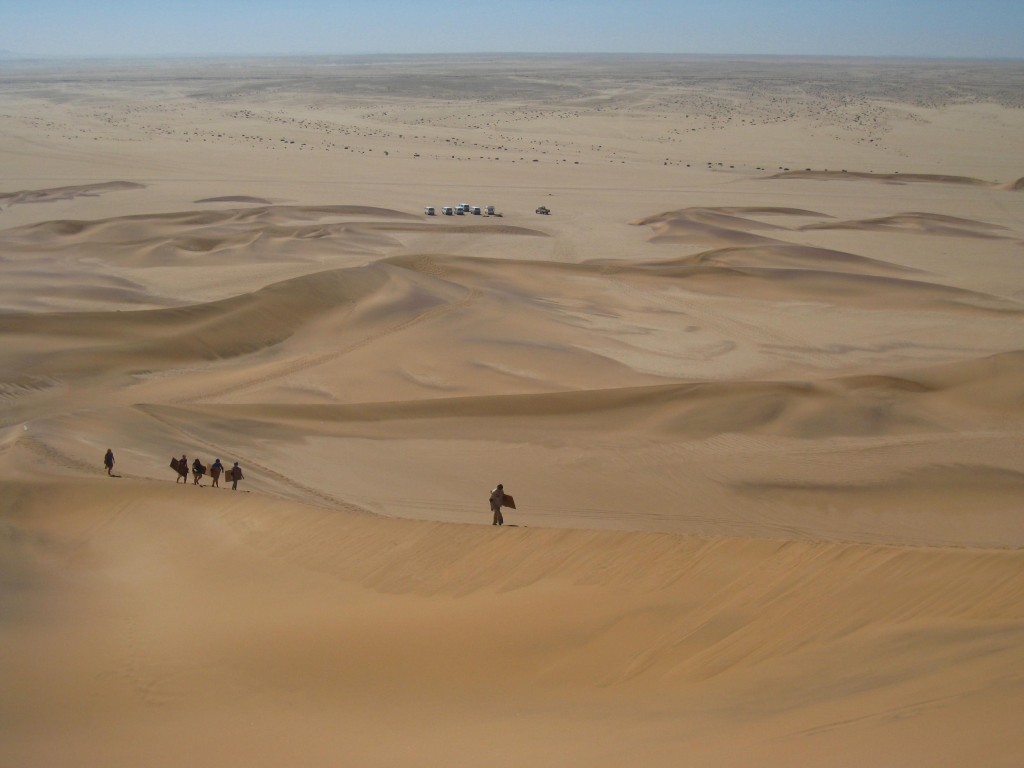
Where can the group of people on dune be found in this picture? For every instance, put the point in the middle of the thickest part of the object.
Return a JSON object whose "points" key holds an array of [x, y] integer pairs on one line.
{"points": [[181, 468], [198, 470], [497, 499]]}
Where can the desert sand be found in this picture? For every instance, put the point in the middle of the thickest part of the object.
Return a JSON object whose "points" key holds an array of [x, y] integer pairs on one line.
{"points": [[756, 384]]}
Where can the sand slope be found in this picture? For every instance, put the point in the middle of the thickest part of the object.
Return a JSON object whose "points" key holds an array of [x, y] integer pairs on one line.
{"points": [[764, 432], [596, 646]]}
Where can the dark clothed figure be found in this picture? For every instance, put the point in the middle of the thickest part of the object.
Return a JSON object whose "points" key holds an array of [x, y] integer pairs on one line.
{"points": [[215, 470], [235, 474], [496, 500]]}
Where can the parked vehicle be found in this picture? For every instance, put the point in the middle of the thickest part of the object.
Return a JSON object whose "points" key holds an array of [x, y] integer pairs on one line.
{"points": [[429, 210]]}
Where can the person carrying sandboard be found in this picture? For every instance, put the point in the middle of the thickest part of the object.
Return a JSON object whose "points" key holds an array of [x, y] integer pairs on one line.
{"points": [[499, 499], [215, 471], [198, 470], [234, 475], [181, 467]]}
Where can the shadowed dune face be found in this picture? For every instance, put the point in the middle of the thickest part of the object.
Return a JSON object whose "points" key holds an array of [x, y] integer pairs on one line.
{"points": [[925, 223], [755, 265], [65, 193], [787, 256], [893, 178], [765, 445], [716, 226], [236, 199]]}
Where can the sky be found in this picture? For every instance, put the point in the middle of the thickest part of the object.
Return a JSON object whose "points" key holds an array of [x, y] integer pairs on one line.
{"points": [[929, 28]]}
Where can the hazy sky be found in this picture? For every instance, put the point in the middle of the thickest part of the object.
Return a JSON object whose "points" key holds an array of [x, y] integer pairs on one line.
{"points": [[956, 28]]}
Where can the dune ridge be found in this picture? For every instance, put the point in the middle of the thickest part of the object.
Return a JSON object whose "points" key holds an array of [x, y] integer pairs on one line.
{"points": [[927, 223], [897, 178], [215, 331], [854, 405], [235, 199], [718, 226], [786, 256]]}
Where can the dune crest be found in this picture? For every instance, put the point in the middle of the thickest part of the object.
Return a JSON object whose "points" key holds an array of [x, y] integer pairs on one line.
{"points": [[716, 226], [236, 199], [888, 178], [785, 256], [925, 223]]}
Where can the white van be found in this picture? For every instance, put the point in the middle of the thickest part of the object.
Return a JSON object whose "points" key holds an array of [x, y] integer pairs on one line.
{"points": [[429, 210], [476, 210], [447, 210]]}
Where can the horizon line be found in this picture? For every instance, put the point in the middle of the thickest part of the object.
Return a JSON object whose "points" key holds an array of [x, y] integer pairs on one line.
{"points": [[10, 56]]}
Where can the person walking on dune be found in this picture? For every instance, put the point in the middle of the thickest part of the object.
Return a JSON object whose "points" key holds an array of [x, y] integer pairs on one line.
{"points": [[234, 475], [215, 469], [108, 461], [497, 499], [198, 470], [182, 470]]}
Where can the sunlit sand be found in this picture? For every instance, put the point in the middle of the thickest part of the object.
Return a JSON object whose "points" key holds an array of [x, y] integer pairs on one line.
{"points": [[756, 383]]}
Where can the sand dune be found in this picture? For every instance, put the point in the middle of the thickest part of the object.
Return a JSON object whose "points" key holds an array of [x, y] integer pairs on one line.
{"points": [[715, 226], [234, 239], [786, 256], [726, 216], [830, 287], [65, 193], [926, 223], [765, 444], [659, 645], [236, 199], [219, 330], [893, 178], [856, 405]]}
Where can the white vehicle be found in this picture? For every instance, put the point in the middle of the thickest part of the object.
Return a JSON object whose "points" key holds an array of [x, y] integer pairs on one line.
{"points": [[459, 211], [429, 210], [447, 210], [476, 210], [490, 210], [464, 207]]}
